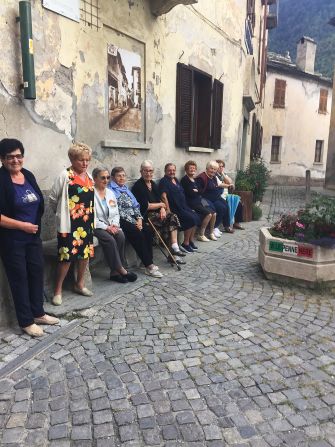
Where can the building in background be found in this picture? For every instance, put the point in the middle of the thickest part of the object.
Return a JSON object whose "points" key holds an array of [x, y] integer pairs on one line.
{"points": [[296, 116]]}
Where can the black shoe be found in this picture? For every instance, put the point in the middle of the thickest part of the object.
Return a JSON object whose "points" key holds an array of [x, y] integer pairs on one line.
{"points": [[193, 246], [177, 253], [119, 278], [178, 261], [186, 248], [131, 276]]}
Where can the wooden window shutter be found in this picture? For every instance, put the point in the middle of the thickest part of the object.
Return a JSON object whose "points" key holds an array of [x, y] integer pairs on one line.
{"points": [[280, 92], [323, 100], [217, 103], [184, 106], [253, 138]]}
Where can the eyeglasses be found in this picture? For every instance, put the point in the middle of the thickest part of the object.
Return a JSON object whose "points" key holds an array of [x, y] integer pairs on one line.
{"points": [[148, 171], [12, 157], [105, 177]]}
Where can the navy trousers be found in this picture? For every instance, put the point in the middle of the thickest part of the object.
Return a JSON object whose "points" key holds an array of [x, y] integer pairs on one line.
{"points": [[222, 212], [23, 263]]}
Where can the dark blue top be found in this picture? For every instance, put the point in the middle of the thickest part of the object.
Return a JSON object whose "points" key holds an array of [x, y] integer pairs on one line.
{"points": [[175, 194], [26, 206], [210, 190]]}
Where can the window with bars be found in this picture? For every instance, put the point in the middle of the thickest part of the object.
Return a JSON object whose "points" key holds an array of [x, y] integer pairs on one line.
{"points": [[275, 149], [323, 100], [318, 151], [89, 13], [280, 93], [198, 108]]}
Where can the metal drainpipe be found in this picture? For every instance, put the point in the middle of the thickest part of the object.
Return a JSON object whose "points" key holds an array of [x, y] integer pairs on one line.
{"points": [[27, 49]]}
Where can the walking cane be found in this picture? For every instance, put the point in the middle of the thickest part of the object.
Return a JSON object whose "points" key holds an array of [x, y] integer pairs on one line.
{"points": [[170, 257]]}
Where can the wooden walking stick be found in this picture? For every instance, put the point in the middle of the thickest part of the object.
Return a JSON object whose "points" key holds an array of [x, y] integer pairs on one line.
{"points": [[169, 257]]}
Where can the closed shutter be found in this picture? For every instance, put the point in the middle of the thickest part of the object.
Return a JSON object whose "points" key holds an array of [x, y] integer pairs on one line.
{"points": [[280, 92], [323, 100], [253, 138], [217, 101], [184, 100]]}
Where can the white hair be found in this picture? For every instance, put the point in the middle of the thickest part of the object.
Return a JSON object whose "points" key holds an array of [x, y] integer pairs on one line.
{"points": [[147, 164], [212, 164]]}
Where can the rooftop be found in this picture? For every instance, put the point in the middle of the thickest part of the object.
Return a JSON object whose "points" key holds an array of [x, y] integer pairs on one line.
{"points": [[283, 64]]}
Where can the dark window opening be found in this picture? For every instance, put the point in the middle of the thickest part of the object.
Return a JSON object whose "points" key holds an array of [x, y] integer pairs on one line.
{"points": [[198, 108], [318, 151], [323, 100], [275, 149]]}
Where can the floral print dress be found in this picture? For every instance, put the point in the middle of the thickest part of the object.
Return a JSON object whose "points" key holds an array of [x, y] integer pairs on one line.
{"points": [[79, 243]]}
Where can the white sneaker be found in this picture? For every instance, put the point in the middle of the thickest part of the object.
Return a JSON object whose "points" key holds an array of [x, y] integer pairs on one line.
{"points": [[217, 232], [153, 272]]}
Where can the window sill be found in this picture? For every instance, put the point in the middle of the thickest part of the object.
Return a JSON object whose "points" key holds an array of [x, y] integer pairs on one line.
{"points": [[321, 112], [318, 163], [125, 145], [275, 162], [206, 150], [275, 106]]}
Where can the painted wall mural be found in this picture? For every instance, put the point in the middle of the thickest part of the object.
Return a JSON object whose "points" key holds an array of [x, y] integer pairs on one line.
{"points": [[124, 89]]}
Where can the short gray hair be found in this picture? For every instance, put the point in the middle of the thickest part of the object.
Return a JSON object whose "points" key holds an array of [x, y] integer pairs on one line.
{"points": [[146, 164], [96, 171], [212, 164]]}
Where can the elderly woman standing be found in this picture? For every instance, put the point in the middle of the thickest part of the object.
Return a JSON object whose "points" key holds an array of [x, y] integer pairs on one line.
{"points": [[72, 199], [131, 221], [108, 231], [209, 189], [21, 206], [146, 192]]}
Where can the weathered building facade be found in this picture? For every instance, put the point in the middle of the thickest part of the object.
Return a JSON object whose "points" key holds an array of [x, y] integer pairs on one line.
{"points": [[296, 116], [330, 170], [80, 97]]}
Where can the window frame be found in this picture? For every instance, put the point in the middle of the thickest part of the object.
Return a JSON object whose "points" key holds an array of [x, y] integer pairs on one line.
{"points": [[320, 149], [279, 97], [189, 80], [278, 160], [323, 101]]}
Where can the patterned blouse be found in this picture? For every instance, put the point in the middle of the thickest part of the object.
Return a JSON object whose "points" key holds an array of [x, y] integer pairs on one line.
{"points": [[127, 210]]}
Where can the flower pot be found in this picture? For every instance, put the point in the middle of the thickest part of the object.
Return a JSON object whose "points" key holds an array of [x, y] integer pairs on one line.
{"points": [[246, 200], [305, 264]]}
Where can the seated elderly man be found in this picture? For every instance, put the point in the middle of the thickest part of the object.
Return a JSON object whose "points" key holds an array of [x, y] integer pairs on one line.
{"points": [[173, 196], [209, 189], [151, 206]]}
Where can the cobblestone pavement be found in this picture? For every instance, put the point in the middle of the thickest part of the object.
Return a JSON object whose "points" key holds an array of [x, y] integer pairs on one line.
{"points": [[214, 355]]}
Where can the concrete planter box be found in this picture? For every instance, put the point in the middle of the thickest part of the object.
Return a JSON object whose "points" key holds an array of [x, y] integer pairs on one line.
{"points": [[306, 264]]}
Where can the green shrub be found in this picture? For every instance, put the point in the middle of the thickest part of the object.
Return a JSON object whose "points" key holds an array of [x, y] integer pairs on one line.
{"points": [[254, 178], [256, 212]]}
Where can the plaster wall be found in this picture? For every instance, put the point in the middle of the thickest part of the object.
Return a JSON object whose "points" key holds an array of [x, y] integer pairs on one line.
{"points": [[299, 124], [72, 91]]}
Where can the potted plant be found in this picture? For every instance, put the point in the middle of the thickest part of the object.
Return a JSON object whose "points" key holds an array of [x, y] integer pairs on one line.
{"points": [[243, 188], [301, 245]]}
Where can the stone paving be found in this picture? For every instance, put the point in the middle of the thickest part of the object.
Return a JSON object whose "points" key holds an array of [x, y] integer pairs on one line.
{"points": [[214, 355]]}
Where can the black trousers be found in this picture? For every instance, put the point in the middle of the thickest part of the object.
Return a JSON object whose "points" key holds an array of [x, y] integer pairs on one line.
{"points": [[23, 263], [239, 213], [141, 241]]}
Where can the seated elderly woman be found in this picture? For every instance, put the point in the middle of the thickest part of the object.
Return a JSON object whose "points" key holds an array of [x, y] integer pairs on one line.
{"points": [[107, 227], [174, 198], [210, 190], [225, 182], [198, 203], [131, 221], [146, 192]]}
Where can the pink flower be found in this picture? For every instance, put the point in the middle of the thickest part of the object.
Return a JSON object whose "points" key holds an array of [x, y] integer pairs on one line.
{"points": [[299, 225]]}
